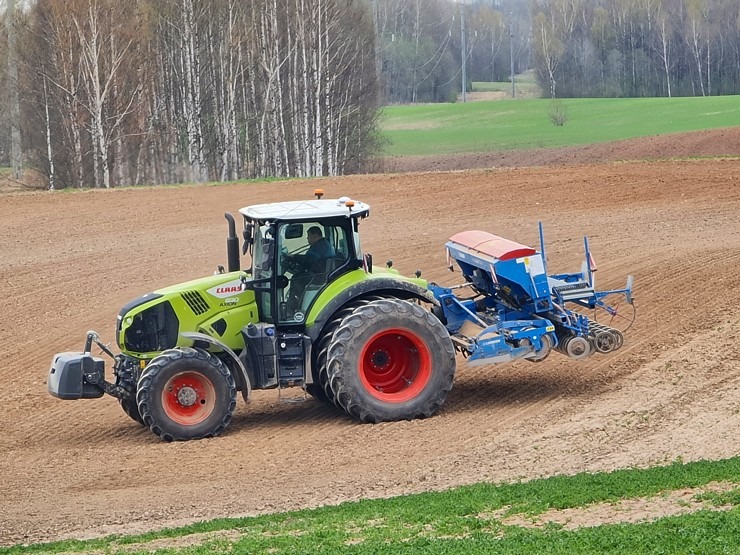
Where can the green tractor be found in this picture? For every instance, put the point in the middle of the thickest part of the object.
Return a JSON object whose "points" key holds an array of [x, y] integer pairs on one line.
{"points": [[311, 312]]}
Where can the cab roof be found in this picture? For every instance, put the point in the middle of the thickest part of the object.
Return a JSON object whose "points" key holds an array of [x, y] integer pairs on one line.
{"points": [[307, 210]]}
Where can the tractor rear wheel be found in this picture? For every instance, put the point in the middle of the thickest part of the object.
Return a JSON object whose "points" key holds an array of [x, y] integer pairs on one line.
{"points": [[390, 360], [186, 394], [321, 388]]}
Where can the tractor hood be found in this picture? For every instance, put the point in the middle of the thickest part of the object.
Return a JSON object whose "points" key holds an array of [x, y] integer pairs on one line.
{"points": [[215, 305]]}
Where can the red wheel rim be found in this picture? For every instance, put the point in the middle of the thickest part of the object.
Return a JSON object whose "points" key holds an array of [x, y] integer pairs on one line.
{"points": [[395, 365], [188, 398]]}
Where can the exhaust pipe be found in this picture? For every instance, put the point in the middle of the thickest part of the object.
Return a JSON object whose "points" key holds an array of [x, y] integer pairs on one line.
{"points": [[232, 245]]}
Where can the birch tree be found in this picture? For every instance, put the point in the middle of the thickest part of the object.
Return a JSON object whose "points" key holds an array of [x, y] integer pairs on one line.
{"points": [[664, 32], [16, 155], [103, 48], [142, 91], [60, 51], [695, 37], [548, 50]]}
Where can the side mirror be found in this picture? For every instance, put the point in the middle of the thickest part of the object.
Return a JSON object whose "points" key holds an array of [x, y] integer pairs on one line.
{"points": [[248, 235], [262, 284]]}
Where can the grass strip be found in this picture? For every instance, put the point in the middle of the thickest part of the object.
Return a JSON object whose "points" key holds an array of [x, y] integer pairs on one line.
{"points": [[463, 520]]}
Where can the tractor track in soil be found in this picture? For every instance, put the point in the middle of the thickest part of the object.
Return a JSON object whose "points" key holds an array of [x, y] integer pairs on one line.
{"points": [[69, 261]]}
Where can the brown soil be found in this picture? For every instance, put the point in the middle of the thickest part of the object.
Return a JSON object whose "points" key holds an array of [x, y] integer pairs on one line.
{"points": [[69, 261], [717, 142]]}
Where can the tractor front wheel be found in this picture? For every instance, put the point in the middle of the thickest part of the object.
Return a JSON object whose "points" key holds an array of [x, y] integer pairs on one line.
{"points": [[186, 394], [390, 360], [130, 407]]}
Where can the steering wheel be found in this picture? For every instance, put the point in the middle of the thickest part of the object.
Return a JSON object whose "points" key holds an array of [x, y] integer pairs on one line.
{"points": [[289, 261]]}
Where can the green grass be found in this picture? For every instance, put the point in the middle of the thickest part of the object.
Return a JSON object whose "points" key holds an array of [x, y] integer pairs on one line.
{"points": [[524, 124], [465, 520], [491, 86]]}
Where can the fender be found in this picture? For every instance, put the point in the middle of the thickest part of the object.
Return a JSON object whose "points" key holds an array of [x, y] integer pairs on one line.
{"points": [[195, 337], [386, 286]]}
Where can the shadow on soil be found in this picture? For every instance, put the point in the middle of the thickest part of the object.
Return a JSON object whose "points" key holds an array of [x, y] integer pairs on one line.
{"points": [[517, 386], [478, 390], [279, 414], [487, 389]]}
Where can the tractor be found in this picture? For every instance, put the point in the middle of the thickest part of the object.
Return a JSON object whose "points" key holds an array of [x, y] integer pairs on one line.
{"points": [[313, 312], [347, 332]]}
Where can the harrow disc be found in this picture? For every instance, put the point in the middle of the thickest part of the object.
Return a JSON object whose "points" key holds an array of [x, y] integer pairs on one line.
{"points": [[577, 347], [605, 341]]}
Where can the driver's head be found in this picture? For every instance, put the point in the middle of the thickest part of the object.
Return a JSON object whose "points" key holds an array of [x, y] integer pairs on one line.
{"points": [[314, 234]]}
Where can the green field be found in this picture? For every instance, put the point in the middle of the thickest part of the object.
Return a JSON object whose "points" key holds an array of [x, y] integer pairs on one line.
{"points": [[482, 518], [523, 124]]}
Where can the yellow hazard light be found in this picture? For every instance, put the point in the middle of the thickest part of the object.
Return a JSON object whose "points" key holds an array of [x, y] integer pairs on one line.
{"points": [[318, 192], [349, 203]]}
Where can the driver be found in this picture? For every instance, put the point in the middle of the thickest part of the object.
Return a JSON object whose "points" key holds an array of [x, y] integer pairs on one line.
{"points": [[309, 265], [319, 251]]}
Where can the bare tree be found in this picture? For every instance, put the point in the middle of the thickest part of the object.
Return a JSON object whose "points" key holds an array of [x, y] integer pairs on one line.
{"points": [[103, 50], [695, 36], [548, 50], [49, 155], [134, 91], [664, 45], [16, 154]]}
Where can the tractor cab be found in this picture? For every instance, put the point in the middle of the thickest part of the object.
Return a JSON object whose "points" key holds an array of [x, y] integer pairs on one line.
{"points": [[297, 249]]}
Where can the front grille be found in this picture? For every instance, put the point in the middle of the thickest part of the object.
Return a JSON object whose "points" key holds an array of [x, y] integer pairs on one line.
{"points": [[195, 302]]}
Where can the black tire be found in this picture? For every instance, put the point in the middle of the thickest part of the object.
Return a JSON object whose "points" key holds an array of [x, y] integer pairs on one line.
{"points": [[390, 360], [317, 392], [321, 389], [186, 394], [130, 407]]}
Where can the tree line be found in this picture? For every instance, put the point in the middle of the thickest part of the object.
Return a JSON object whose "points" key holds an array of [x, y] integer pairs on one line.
{"points": [[112, 92], [578, 48], [614, 48], [422, 45], [120, 92]]}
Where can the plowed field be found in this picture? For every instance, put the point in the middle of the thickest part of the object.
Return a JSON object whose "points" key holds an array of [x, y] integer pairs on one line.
{"points": [[68, 261]]}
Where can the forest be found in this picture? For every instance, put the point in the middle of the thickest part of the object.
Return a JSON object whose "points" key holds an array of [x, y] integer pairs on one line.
{"points": [[119, 92], [579, 48]]}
